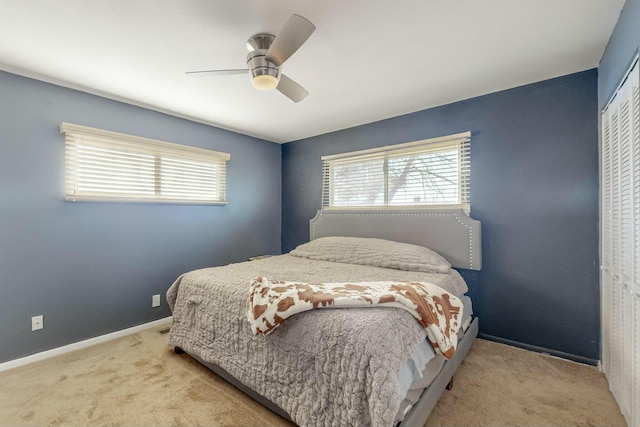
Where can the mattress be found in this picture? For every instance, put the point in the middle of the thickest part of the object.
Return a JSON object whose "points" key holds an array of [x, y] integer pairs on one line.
{"points": [[423, 366]]}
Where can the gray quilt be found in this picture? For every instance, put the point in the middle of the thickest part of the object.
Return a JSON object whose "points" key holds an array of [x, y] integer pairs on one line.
{"points": [[323, 367]]}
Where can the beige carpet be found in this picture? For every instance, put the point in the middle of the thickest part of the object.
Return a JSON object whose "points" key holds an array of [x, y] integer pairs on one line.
{"points": [[138, 381]]}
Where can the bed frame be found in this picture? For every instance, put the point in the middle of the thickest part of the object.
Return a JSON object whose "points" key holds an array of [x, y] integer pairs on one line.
{"points": [[450, 232]]}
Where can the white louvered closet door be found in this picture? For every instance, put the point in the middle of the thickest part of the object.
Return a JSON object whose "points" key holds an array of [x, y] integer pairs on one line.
{"points": [[620, 245]]}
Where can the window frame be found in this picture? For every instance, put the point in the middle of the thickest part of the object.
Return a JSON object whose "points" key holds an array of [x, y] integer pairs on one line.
{"points": [[460, 142], [212, 166]]}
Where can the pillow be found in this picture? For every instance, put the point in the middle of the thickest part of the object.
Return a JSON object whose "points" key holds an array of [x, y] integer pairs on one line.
{"points": [[374, 252]]}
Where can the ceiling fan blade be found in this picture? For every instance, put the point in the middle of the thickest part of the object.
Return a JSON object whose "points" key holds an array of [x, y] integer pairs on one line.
{"points": [[292, 35], [291, 89], [220, 72]]}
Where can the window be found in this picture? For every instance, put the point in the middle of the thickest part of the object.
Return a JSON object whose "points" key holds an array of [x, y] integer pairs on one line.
{"points": [[109, 166], [430, 173]]}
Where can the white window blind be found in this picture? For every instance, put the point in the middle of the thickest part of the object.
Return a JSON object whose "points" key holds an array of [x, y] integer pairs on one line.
{"points": [[429, 173], [109, 166]]}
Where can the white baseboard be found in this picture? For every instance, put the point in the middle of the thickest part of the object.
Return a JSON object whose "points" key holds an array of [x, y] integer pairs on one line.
{"points": [[81, 344]]}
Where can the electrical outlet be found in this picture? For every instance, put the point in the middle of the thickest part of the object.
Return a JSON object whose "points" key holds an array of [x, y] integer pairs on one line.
{"points": [[155, 301], [37, 322]]}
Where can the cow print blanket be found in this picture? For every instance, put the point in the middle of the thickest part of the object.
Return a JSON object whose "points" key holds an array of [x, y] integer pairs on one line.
{"points": [[436, 310]]}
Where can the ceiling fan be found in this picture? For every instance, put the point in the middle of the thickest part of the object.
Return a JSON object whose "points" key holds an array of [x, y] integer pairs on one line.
{"points": [[266, 55]]}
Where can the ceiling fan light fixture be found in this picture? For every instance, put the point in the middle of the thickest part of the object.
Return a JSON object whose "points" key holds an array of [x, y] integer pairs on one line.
{"points": [[264, 82], [267, 53], [265, 75]]}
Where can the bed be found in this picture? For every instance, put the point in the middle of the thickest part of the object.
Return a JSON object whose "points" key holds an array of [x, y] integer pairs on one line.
{"points": [[347, 366]]}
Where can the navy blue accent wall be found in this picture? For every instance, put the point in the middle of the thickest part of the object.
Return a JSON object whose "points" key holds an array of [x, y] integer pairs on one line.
{"points": [[622, 48], [91, 268], [534, 186]]}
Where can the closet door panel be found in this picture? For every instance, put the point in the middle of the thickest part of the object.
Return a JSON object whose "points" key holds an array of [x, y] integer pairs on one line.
{"points": [[620, 245]]}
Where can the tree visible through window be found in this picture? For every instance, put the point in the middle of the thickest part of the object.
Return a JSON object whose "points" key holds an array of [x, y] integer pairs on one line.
{"points": [[426, 173]]}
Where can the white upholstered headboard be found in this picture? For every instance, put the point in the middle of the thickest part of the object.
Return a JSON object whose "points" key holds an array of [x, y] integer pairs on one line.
{"points": [[451, 233]]}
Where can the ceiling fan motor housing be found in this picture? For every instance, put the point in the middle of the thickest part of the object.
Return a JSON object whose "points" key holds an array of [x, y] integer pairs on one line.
{"points": [[265, 75]]}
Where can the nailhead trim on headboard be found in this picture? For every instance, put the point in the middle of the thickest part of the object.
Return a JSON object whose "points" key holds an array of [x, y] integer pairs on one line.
{"points": [[456, 215]]}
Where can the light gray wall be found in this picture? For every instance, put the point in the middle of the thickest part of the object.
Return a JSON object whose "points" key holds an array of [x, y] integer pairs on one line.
{"points": [[91, 268]]}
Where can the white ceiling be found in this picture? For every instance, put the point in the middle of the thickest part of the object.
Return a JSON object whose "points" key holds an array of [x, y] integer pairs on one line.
{"points": [[367, 60]]}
